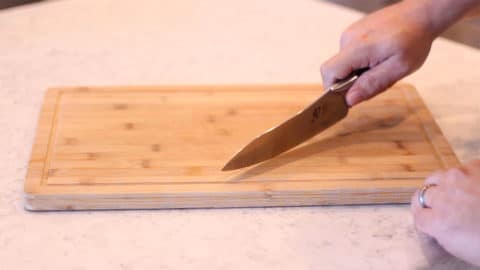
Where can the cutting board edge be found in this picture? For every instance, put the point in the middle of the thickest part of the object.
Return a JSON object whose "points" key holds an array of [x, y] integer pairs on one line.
{"points": [[38, 155], [346, 197], [436, 137]]}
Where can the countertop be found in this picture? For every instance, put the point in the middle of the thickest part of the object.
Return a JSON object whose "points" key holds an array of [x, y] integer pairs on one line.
{"points": [[106, 42]]}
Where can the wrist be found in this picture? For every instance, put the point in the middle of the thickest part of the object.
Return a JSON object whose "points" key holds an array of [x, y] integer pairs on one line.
{"points": [[435, 16]]}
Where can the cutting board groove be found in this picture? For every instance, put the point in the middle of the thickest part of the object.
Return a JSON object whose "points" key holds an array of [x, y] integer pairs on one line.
{"points": [[163, 147]]}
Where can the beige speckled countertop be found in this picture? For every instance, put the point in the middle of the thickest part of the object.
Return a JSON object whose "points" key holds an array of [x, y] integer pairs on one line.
{"points": [[98, 42]]}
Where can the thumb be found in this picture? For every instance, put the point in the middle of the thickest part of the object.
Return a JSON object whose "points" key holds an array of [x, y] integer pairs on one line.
{"points": [[376, 80]]}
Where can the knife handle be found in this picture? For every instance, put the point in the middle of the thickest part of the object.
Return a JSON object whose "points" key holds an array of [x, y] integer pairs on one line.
{"points": [[343, 85]]}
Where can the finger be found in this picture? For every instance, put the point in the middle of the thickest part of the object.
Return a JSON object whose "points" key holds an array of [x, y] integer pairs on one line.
{"points": [[343, 64], [376, 80], [430, 197], [454, 178], [435, 178], [431, 194], [425, 219]]}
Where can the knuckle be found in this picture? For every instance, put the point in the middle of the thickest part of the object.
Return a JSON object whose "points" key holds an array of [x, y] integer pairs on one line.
{"points": [[368, 48], [354, 34], [448, 181], [449, 184], [349, 32], [453, 175], [346, 37]]}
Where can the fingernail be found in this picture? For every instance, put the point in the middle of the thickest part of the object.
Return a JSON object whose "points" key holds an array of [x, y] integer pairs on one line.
{"points": [[353, 97]]}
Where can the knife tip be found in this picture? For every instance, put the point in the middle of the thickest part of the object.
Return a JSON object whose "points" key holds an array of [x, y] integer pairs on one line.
{"points": [[228, 167], [234, 164]]}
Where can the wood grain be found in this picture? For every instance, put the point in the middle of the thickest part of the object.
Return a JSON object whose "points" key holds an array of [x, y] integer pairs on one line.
{"points": [[164, 147]]}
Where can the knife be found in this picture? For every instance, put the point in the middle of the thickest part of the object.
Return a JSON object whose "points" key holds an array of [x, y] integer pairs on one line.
{"points": [[324, 112]]}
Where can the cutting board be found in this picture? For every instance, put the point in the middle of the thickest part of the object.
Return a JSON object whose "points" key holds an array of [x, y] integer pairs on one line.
{"points": [[164, 147]]}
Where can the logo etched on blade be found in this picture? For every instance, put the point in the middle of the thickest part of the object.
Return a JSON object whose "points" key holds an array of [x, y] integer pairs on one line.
{"points": [[316, 113]]}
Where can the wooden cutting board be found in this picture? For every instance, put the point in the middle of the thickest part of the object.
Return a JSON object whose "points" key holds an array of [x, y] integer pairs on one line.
{"points": [[164, 147]]}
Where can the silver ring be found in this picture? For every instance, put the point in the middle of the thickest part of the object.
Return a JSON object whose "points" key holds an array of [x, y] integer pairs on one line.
{"points": [[421, 195]]}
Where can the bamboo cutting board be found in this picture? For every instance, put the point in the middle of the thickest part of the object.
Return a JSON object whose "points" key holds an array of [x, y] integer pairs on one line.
{"points": [[164, 147]]}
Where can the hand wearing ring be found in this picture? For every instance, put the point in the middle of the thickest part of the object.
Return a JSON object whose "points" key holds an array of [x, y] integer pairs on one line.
{"points": [[447, 208], [421, 195]]}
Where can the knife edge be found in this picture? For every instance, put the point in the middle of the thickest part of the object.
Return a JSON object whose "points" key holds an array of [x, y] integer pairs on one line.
{"points": [[327, 110]]}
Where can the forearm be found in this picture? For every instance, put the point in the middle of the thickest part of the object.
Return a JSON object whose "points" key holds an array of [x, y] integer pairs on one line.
{"points": [[438, 15], [393, 42]]}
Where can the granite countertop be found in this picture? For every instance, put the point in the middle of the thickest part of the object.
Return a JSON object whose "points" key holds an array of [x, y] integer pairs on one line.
{"points": [[106, 42]]}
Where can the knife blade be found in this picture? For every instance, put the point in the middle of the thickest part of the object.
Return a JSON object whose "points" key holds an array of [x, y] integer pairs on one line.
{"points": [[324, 112]]}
